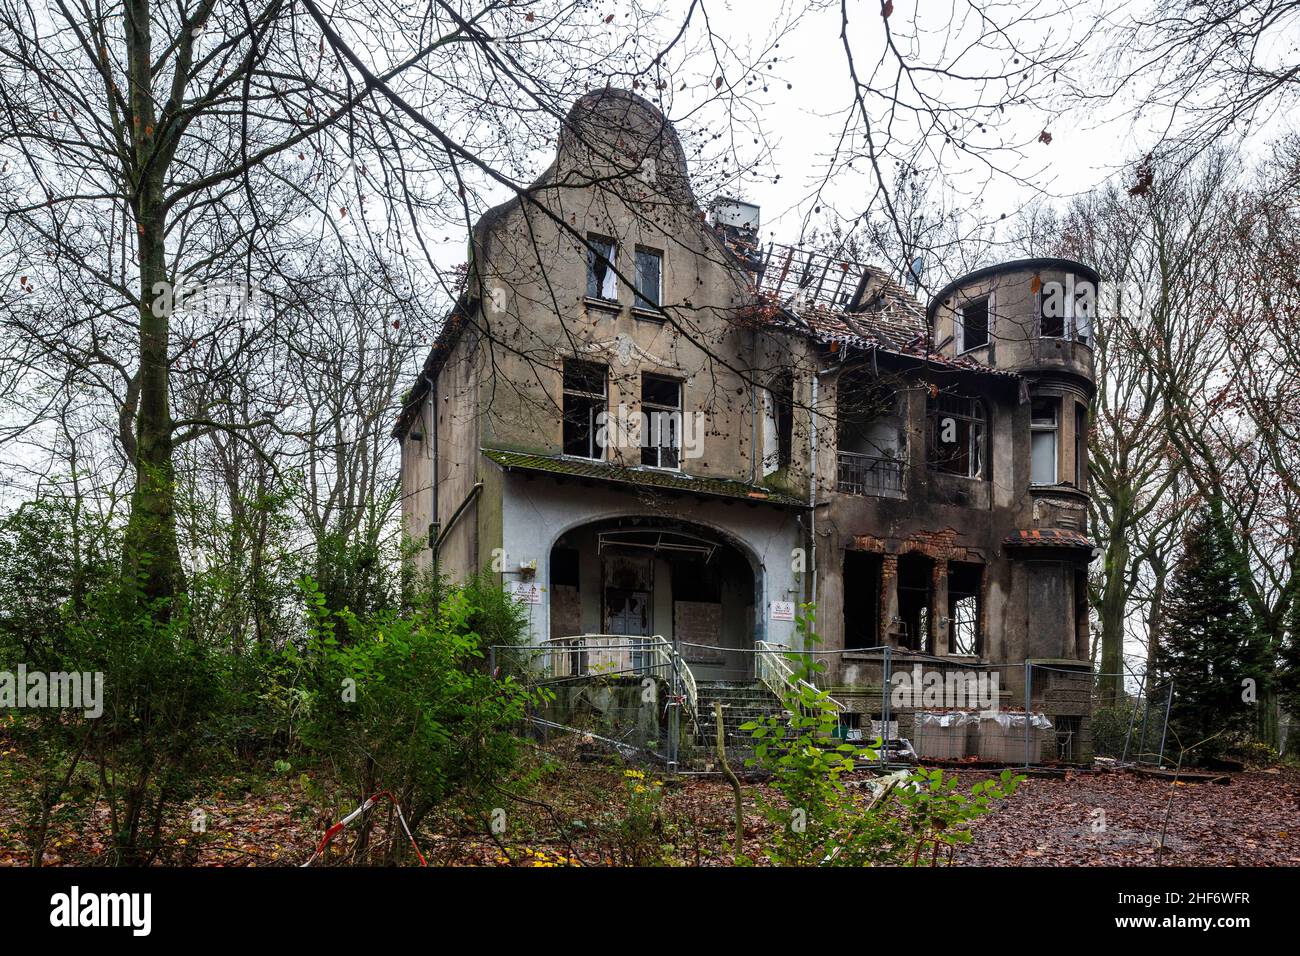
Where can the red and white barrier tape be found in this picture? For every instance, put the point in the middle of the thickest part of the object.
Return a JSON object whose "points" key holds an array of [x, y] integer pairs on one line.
{"points": [[369, 802]]}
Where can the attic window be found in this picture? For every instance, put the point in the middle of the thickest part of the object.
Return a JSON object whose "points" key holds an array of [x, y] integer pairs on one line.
{"points": [[973, 325], [649, 278], [602, 283]]}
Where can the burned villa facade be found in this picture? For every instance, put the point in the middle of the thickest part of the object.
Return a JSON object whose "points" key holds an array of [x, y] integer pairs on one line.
{"points": [[648, 424]]}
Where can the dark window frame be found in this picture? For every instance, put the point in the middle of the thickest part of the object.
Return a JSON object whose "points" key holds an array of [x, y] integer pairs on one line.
{"points": [[1040, 426], [973, 423], [640, 301], [964, 344], [652, 455], [578, 399], [601, 266]]}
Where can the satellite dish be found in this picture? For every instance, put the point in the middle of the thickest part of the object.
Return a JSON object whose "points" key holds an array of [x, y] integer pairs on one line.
{"points": [[915, 270]]}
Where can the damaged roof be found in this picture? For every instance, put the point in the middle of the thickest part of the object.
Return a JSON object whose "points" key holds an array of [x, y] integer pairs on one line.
{"points": [[838, 302], [1047, 538], [611, 473]]}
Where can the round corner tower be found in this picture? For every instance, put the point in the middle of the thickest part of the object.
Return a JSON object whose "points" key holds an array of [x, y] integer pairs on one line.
{"points": [[1035, 318]]}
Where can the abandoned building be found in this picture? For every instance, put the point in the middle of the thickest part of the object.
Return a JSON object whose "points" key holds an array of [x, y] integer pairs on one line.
{"points": [[647, 424]]}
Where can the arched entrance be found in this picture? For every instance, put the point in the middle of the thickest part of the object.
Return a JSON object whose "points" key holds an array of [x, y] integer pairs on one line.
{"points": [[642, 576]]}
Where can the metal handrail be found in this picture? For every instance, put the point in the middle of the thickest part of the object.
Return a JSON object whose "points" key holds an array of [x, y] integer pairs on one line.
{"points": [[875, 475], [614, 651], [775, 671]]}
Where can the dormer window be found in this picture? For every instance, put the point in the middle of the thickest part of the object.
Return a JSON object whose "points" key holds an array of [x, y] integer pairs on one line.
{"points": [[973, 325]]}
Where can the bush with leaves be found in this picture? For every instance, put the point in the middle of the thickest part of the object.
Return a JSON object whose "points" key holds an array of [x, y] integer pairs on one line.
{"points": [[408, 706], [67, 610], [818, 820]]}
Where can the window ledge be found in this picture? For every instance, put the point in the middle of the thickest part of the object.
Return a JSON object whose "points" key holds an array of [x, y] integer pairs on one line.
{"points": [[649, 315], [604, 305]]}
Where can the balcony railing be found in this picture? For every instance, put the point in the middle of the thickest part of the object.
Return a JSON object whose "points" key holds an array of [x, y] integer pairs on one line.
{"points": [[858, 474]]}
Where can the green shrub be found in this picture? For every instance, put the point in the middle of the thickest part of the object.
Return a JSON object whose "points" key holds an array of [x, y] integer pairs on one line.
{"points": [[910, 818], [407, 706]]}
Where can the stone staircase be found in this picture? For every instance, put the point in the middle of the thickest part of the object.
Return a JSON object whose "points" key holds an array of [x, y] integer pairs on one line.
{"points": [[741, 701]]}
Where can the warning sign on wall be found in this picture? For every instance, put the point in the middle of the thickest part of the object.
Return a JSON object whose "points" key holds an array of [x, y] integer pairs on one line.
{"points": [[783, 610], [526, 592]]}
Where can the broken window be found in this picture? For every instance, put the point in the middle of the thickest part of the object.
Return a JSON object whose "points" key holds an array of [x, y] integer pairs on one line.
{"points": [[1066, 307], [957, 435], [1084, 300], [1043, 432], [861, 586], [871, 438], [915, 594], [778, 423], [584, 400], [973, 329], [601, 281], [661, 406], [964, 580], [1051, 311], [649, 278]]}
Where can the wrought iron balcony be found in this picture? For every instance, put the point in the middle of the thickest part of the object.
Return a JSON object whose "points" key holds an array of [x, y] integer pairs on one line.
{"points": [[858, 474]]}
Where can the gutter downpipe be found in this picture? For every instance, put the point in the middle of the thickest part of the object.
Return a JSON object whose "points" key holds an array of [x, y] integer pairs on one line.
{"points": [[812, 480], [812, 486], [451, 522], [435, 526]]}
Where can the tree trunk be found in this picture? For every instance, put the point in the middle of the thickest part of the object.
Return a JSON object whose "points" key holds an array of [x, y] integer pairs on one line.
{"points": [[151, 558], [1110, 609]]}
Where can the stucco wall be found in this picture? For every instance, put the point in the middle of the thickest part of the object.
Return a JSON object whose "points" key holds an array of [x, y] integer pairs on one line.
{"points": [[537, 512]]}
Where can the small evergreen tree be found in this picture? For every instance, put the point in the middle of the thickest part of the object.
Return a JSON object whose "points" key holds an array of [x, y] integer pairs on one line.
{"points": [[1209, 646]]}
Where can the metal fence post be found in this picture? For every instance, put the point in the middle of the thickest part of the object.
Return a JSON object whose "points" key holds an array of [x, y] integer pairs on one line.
{"points": [[1029, 686], [674, 705], [1132, 718], [1146, 716], [1164, 731], [885, 706]]}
